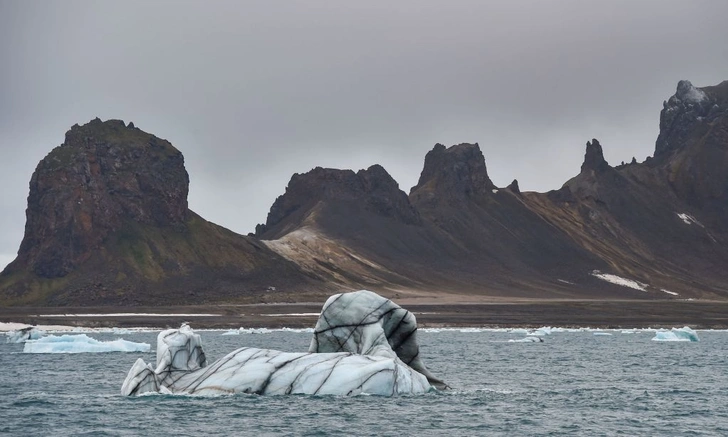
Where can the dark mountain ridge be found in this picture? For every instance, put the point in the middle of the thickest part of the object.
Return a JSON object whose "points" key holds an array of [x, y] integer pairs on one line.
{"points": [[659, 223], [108, 222]]}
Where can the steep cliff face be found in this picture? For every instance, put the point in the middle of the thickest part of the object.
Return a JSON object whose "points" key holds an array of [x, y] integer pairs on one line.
{"points": [[104, 174], [108, 223], [692, 147]]}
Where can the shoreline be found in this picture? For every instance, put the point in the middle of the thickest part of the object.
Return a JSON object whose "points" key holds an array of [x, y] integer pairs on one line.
{"points": [[605, 314]]}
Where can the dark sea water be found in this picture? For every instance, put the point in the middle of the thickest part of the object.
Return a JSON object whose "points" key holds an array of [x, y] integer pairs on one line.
{"points": [[574, 383]]}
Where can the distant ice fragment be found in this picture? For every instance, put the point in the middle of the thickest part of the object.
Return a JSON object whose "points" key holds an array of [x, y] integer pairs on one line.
{"points": [[240, 331], [527, 340], [231, 332], [74, 344], [676, 334], [668, 292], [25, 334], [618, 280], [602, 334]]}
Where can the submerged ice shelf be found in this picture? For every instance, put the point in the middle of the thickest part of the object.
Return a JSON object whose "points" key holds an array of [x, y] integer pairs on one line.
{"points": [[362, 343]]}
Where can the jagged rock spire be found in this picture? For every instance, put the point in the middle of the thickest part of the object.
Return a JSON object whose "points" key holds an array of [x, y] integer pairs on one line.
{"points": [[594, 157], [454, 172]]}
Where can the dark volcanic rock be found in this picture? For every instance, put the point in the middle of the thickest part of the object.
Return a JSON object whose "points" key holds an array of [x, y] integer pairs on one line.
{"points": [[452, 174], [594, 158], [103, 173], [681, 112], [108, 223], [692, 147], [372, 189]]}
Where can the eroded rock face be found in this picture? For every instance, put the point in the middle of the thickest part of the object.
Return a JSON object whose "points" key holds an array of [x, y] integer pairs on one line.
{"points": [[103, 173], [456, 172], [681, 112], [693, 145], [373, 188], [594, 158]]}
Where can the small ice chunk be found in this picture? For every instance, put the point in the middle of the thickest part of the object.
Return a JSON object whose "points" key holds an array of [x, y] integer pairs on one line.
{"points": [[528, 339], [676, 334], [73, 344], [669, 292], [25, 334], [495, 190], [602, 334], [231, 332], [255, 331], [542, 331]]}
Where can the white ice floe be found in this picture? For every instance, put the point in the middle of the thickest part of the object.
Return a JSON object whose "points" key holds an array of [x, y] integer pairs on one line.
{"points": [[618, 280], [564, 281], [24, 334], [527, 340], [668, 292], [602, 334], [540, 332], [495, 190], [231, 332], [81, 343], [676, 334]]}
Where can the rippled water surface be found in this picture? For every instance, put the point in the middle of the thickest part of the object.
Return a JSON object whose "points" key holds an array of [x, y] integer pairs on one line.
{"points": [[574, 383]]}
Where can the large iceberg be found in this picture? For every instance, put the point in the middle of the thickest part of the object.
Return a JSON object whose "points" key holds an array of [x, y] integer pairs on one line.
{"points": [[676, 334], [362, 343], [74, 344]]}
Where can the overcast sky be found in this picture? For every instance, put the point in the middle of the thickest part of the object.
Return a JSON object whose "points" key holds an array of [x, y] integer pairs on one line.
{"points": [[252, 92]]}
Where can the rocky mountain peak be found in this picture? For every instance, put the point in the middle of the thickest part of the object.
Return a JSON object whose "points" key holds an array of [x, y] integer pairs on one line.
{"points": [[594, 158], [687, 93], [453, 172], [684, 111], [104, 174], [373, 188]]}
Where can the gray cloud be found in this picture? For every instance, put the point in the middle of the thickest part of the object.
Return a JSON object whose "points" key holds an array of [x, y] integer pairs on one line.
{"points": [[252, 92]]}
